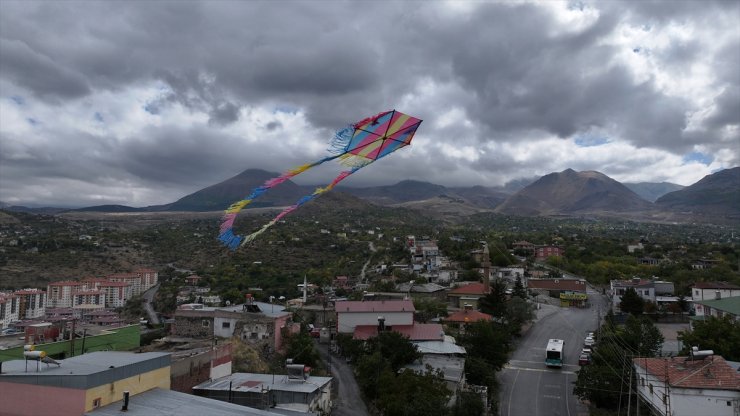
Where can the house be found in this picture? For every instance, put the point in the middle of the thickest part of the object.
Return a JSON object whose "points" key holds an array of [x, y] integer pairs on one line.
{"points": [[416, 332], [193, 280], [713, 290], [351, 314], [467, 316], [79, 384], [293, 393], [523, 245], [446, 357], [688, 386], [645, 288], [258, 323], [422, 290], [468, 294], [718, 308], [541, 253]]}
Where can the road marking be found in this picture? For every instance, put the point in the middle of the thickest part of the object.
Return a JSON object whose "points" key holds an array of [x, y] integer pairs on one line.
{"points": [[511, 393], [567, 405], [539, 378], [542, 370], [551, 396], [553, 386]]}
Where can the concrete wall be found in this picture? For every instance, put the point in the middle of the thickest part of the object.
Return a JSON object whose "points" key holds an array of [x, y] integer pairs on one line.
{"points": [[113, 392], [18, 399]]}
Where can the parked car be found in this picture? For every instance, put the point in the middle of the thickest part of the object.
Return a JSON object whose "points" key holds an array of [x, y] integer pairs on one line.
{"points": [[588, 342], [315, 332], [584, 359], [9, 331], [588, 351]]}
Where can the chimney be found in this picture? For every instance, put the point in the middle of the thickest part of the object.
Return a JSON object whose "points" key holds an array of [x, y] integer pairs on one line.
{"points": [[381, 324], [124, 408]]}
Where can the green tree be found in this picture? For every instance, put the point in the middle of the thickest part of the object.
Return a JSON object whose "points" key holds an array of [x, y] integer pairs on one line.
{"points": [[369, 370], [396, 348], [494, 303], [488, 341], [642, 336], [468, 404], [300, 347], [722, 335], [519, 289], [413, 394], [518, 313], [631, 302]]}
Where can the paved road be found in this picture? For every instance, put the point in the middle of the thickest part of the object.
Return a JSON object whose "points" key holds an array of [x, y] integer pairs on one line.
{"points": [[347, 401], [148, 297], [530, 388]]}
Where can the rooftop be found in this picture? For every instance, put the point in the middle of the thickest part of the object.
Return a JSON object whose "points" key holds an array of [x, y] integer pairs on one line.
{"points": [[159, 402], [415, 332], [470, 289], [468, 315], [243, 382], [711, 373], [729, 305], [375, 306], [716, 285], [439, 347]]}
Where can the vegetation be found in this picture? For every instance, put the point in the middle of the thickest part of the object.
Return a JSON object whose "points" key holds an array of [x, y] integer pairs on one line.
{"points": [[722, 335]]}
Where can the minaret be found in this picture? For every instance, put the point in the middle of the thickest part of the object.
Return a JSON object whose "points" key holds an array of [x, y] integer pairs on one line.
{"points": [[486, 264], [305, 288]]}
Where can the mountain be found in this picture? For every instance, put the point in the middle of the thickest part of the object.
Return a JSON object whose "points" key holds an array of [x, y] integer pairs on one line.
{"points": [[715, 194], [570, 192], [219, 196], [651, 191], [403, 191], [109, 208]]}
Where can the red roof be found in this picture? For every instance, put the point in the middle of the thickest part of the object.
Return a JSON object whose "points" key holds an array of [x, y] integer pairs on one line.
{"points": [[711, 373], [28, 292], [375, 306], [716, 285], [468, 316], [144, 270], [470, 289], [122, 276], [415, 332], [107, 283], [557, 284], [65, 283]]}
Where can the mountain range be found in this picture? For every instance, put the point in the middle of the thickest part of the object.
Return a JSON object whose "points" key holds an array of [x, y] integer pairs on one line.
{"points": [[569, 193]]}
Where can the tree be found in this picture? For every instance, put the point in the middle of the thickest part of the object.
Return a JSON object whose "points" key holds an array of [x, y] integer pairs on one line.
{"points": [[632, 303], [642, 336], [518, 313], [468, 404], [519, 289], [396, 348], [488, 341], [722, 335], [494, 303], [413, 394]]}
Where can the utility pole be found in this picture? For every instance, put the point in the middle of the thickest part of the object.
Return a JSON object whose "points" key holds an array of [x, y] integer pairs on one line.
{"points": [[629, 394]]}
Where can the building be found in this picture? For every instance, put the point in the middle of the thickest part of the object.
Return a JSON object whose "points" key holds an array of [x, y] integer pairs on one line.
{"points": [[79, 384], [467, 316], [446, 357], [296, 391], [713, 290], [718, 308], [543, 252], [682, 386], [31, 303], [262, 324], [61, 294], [192, 367], [416, 332], [468, 294], [116, 294], [351, 314], [571, 292], [8, 309]]}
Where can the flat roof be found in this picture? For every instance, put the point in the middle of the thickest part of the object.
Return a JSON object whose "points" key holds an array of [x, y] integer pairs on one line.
{"points": [[243, 382], [84, 371], [160, 402]]}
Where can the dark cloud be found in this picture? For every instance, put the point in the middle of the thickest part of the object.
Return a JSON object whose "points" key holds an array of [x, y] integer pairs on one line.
{"points": [[516, 73]]}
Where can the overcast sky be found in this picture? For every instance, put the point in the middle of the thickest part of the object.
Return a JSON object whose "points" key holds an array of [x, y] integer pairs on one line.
{"points": [[143, 102]]}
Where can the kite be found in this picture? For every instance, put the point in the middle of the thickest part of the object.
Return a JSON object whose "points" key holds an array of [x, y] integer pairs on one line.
{"points": [[356, 146]]}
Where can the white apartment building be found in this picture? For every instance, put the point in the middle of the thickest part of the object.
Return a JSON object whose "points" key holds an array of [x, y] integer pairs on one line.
{"points": [[8, 309], [61, 294], [31, 303], [116, 293], [88, 299]]}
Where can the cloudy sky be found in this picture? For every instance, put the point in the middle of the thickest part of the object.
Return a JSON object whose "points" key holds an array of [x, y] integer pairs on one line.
{"points": [[143, 102]]}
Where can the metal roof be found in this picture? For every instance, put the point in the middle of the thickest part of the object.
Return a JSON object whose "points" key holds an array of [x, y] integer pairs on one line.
{"points": [[159, 402], [439, 347], [729, 305], [375, 306]]}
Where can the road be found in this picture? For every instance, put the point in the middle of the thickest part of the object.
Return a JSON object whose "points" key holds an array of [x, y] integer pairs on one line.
{"points": [[148, 297], [530, 388], [347, 401]]}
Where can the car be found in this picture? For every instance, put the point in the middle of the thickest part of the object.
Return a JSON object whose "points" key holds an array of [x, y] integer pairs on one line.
{"points": [[315, 333], [588, 351], [584, 359], [588, 342]]}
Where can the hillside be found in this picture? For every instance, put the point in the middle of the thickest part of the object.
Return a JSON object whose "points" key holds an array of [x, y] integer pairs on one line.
{"points": [[570, 192], [651, 191], [715, 194]]}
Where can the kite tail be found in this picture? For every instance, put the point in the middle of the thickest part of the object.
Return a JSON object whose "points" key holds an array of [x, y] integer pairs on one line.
{"points": [[318, 192], [226, 232]]}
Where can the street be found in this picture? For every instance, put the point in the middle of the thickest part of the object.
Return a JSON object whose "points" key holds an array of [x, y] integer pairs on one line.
{"points": [[530, 388], [347, 401]]}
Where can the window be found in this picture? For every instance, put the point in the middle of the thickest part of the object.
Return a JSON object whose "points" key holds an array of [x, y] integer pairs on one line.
{"points": [[226, 325], [205, 323], [96, 403], [650, 387]]}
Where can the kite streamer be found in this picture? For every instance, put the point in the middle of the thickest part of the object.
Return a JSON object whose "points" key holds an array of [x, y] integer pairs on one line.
{"points": [[356, 146]]}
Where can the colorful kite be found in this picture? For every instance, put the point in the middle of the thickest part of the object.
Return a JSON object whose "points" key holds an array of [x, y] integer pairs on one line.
{"points": [[356, 146]]}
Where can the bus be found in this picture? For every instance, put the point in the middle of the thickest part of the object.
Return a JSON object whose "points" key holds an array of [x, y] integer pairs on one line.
{"points": [[554, 357]]}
